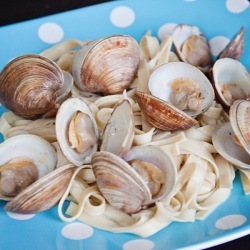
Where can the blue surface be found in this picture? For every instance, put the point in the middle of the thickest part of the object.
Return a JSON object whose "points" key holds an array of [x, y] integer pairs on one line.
{"points": [[43, 231]]}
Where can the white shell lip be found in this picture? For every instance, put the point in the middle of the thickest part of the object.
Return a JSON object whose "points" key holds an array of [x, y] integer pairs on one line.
{"points": [[228, 70], [160, 79], [63, 117], [223, 142]]}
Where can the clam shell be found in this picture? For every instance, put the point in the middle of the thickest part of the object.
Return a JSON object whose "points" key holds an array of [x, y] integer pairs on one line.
{"points": [[30, 85], [42, 194], [163, 115], [31, 147], [122, 185], [118, 134], [229, 71], [239, 115], [161, 79], [107, 65], [235, 48], [63, 118], [223, 141], [191, 46]]}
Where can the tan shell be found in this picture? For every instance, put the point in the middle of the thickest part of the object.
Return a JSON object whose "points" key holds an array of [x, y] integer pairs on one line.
{"points": [[123, 187], [118, 134], [30, 86], [231, 81], [163, 115], [106, 66], [42, 194]]}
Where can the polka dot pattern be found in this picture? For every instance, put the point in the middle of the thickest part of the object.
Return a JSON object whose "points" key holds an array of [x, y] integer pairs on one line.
{"points": [[130, 19]]}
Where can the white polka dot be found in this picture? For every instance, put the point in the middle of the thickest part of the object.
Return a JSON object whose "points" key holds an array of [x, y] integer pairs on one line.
{"points": [[217, 44], [77, 231], [138, 244], [166, 29], [230, 221], [50, 32], [122, 16], [237, 6], [20, 216]]}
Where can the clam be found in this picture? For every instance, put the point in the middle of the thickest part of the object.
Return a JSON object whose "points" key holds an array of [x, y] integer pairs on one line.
{"points": [[42, 194], [31, 86], [163, 115], [223, 140], [24, 159], [118, 134], [232, 140], [108, 65], [145, 175], [76, 131], [191, 46], [235, 48], [231, 81]]}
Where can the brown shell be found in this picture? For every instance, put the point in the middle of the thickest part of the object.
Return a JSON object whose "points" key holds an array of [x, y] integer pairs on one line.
{"points": [[162, 115], [29, 85], [107, 66]]}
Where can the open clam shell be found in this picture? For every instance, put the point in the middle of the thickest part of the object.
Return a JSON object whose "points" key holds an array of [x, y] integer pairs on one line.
{"points": [[42, 194], [239, 115], [123, 187], [107, 65], [163, 115], [21, 150], [182, 85], [191, 46], [84, 131], [223, 141], [231, 81], [30, 85]]}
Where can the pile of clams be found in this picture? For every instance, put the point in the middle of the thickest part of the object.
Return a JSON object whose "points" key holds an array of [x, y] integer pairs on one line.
{"points": [[33, 177]]}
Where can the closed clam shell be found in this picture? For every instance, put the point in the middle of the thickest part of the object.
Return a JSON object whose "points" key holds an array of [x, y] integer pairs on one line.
{"points": [[107, 65], [223, 141], [30, 85], [42, 194], [163, 115], [231, 81]]}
